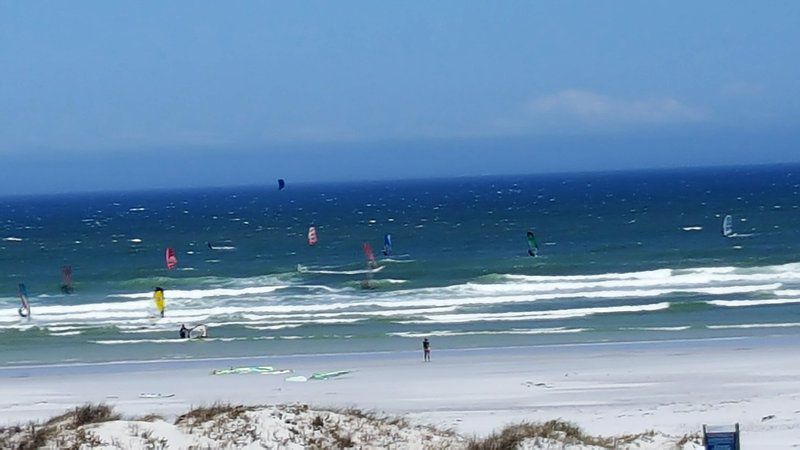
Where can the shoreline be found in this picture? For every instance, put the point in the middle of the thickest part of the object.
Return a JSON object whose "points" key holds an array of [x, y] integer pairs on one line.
{"points": [[501, 348]]}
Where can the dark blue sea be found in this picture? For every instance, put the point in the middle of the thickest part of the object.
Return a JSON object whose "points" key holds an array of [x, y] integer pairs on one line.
{"points": [[629, 256]]}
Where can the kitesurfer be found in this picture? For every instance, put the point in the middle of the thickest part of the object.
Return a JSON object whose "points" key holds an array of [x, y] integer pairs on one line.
{"points": [[426, 350], [210, 247], [184, 332]]}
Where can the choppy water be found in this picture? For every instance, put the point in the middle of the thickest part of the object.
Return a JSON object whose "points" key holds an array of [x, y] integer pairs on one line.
{"points": [[624, 256]]}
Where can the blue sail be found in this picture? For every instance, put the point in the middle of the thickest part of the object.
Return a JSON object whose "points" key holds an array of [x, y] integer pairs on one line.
{"points": [[281, 184], [25, 307], [387, 244]]}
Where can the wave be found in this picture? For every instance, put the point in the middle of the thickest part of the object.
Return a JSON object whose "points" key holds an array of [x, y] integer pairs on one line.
{"points": [[744, 303], [303, 269], [203, 293], [754, 325], [692, 228], [274, 327], [680, 328], [397, 261], [540, 315], [446, 333]]}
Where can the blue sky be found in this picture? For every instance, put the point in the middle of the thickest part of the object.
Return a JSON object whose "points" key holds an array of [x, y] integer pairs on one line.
{"points": [[99, 95]]}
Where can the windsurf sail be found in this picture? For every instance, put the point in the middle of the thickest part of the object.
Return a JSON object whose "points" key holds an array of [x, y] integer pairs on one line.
{"points": [[263, 370], [158, 298], [24, 307], [727, 226], [312, 235], [170, 258], [387, 244], [281, 184], [328, 375], [198, 332], [367, 282], [66, 275], [533, 246], [369, 255]]}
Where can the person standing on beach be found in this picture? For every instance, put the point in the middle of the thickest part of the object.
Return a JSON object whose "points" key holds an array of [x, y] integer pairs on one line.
{"points": [[426, 350]]}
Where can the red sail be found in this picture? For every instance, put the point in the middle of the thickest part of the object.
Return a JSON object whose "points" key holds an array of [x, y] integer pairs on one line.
{"points": [[368, 253], [172, 260]]}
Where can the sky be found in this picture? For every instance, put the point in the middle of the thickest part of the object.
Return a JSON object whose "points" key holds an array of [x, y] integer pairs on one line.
{"points": [[98, 95]]}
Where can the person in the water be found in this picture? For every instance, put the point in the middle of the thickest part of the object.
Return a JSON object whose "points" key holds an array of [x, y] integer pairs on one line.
{"points": [[184, 332], [426, 349]]}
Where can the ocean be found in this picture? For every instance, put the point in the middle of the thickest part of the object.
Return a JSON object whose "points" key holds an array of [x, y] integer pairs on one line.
{"points": [[627, 256]]}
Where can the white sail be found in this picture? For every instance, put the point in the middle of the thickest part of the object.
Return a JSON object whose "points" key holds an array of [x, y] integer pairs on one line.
{"points": [[727, 226]]}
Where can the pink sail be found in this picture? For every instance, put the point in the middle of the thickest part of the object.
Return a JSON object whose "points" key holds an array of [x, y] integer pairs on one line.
{"points": [[312, 236], [171, 259]]}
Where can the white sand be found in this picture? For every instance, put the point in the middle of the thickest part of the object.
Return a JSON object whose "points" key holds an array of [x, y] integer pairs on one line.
{"points": [[672, 388]]}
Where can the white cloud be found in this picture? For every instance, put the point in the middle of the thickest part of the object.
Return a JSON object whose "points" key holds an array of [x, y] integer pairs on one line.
{"points": [[593, 109]]}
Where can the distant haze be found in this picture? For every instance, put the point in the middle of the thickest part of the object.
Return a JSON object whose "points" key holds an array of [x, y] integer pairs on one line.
{"points": [[107, 95]]}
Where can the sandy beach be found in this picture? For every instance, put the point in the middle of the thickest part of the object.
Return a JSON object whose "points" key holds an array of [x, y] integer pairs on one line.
{"points": [[608, 389]]}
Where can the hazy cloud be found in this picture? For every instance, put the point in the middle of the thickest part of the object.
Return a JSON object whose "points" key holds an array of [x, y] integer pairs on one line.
{"points": [[593, 109], [741, 89]]}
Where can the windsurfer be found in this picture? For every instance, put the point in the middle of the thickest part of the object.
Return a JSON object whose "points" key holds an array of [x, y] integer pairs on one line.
{"points": [[158, 298]]}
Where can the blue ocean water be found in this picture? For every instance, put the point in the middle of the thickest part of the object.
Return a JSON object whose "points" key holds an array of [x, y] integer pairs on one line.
{"points": [[623, 256]]}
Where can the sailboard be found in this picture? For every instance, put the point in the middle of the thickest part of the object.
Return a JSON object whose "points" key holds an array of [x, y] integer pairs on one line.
{"points": [[312, 235], [170, 258], [25, 307], [387, 244], [66, 283], [727, 226], [281, 184], [533, 246], [158, 299]]}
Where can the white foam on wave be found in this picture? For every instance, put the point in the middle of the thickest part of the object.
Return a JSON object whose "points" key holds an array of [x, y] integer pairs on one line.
{"points": [[646, 275], [754, 325], [274, 327], [397, 261], [540, 315], [787, 292], [204, 293], [692, 228], [65, 333], [173, 340], [12, 239], [445, 333], [339, 272], [745, 303], [680, 328]]}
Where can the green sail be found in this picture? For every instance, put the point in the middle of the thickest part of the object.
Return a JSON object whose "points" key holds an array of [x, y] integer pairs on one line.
{"points": [[533, 246]]}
